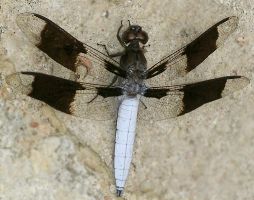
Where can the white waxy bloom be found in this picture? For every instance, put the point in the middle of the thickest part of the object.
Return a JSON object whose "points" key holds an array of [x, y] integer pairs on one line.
{"points": [[125, 136]]}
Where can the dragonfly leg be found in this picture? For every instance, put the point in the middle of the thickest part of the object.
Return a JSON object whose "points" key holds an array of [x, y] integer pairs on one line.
{"points": [[143, 103], [119, 37], [112, 83], [111, 55]]}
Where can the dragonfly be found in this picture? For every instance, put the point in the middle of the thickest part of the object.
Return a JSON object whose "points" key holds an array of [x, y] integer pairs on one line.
{"points": [[105, 87]]}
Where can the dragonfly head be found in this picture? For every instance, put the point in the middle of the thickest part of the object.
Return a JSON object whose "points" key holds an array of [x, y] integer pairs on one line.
{"points": [[135, 33]]}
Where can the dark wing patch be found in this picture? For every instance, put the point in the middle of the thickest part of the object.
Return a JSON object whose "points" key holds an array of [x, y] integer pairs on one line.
{"points": [[176, 100], [56, 92], [62, 94], [197, 94], [51, 39], [61, 46], [190, 56]]}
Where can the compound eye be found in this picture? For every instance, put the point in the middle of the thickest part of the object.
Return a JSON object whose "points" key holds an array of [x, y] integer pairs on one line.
{"points": [[128, 36], [143, 37]]}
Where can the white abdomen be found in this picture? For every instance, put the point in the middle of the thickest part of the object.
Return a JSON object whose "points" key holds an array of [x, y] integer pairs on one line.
{"points": [[125, 135]]}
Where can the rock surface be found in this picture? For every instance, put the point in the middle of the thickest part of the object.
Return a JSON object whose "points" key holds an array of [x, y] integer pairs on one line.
{"points": [[206, 154]]}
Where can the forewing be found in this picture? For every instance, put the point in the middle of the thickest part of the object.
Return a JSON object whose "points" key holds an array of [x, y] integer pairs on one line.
{"points": [[172, 101], [66, 49], [78, 99], [190, 56]]}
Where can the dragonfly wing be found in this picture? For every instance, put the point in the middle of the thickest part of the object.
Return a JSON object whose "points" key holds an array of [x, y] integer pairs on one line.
{"points": [[79, 99], [191, 55], [66, 49], [172, 101]]}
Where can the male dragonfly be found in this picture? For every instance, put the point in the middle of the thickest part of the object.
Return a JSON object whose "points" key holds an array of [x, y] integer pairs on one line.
{"points": [[113, 88]]}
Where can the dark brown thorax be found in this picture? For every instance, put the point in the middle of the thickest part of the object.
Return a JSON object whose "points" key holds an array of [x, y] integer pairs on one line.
{"points": [[133, 60]]}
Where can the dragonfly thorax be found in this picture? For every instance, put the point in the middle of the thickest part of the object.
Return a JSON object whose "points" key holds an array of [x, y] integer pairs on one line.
{"points": [[131, 87]]}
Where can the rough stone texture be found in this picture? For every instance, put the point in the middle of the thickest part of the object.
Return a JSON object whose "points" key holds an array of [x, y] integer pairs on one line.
{"points": [[206, 154]]}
